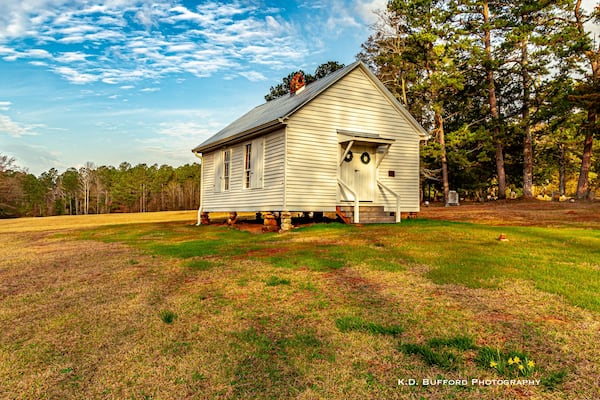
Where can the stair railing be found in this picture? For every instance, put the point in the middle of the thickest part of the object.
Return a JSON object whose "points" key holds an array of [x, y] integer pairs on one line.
{"points": [[396, 195], [344, 186]]}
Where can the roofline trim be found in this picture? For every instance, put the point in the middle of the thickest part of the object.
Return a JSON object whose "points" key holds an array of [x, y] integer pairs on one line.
{"points": [[240, 137]]}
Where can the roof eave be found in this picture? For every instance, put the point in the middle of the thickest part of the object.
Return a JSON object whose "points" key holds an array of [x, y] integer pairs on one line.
{"points": [[240, 137]]}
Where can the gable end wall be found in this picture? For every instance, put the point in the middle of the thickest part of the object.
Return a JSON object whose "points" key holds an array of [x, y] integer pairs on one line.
{"points": [[353, 104]]}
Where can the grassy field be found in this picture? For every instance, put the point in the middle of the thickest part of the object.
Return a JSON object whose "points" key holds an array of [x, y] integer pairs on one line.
{"points": [[167, 310]]}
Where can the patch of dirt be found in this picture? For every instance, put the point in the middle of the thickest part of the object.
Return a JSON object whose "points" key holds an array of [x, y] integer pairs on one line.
{"points": [[520, 213]]}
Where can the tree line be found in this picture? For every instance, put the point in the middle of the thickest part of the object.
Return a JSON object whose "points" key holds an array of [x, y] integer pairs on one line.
{"points": [[97, 190], [510, 91]]}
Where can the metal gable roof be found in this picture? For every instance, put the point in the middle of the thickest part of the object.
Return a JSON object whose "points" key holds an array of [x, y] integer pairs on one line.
{"points": [[272, 114]]}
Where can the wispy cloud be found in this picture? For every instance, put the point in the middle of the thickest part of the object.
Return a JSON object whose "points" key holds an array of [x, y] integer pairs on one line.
{"points": [[71, 57], [254, 76], [5, 105], [129, 40], [27, 54], [75, 76], [367, 10], [184, 129], [15, 129]]}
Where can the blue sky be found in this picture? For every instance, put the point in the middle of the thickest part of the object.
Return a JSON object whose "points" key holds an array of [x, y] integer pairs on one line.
{"points": [[142, 81]]}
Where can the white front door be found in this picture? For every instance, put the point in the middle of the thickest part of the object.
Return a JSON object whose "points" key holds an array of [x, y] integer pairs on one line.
{"points": [[359, 173]]}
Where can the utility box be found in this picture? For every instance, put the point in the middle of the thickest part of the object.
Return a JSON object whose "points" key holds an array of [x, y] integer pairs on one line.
{"points": [[453, 198]]}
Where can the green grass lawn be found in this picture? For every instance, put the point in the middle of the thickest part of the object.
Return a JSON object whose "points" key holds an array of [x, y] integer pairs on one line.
{"points": [[565, 262], [167, 310]]}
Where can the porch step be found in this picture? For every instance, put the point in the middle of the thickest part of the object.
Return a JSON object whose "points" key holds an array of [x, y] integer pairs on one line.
{"points": [[368, 215]]}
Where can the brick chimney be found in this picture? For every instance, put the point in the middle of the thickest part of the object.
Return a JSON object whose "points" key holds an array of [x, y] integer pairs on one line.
{"points": [[297, 83]]}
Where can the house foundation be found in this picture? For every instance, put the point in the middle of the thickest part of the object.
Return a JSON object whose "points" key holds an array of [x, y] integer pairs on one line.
{"points": [[204, 218], [286, 221], [232, 219], [270, 223]]}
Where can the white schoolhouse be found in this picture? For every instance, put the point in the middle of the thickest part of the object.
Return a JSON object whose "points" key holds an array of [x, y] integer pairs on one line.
{"points": [[341, 144]]}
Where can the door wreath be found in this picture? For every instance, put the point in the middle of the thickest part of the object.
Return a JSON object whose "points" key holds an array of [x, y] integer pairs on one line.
{"points": [[365, 158], [349, 156]]}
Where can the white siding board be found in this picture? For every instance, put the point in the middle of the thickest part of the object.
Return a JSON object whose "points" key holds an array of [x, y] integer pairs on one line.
{"points": [[355, 104], [238, 198]]}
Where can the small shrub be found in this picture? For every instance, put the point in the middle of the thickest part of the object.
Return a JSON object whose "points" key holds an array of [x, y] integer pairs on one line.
{"points": [[351, 323], [168, 317]]}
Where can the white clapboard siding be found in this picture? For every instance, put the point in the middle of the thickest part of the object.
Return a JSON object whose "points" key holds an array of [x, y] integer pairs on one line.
{"points": [[354, 104], [268, 180]]}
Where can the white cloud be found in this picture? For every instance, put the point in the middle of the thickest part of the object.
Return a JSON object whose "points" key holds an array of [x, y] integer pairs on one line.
{"points": [[38, 63], [37, 158], [120, 41], [253, 76], [183, 129], [71, 57], [150, 90], [367, 9], [5, 105], [15, 129], [78, 30], [32, 53], [74, 76], [181, 47]]}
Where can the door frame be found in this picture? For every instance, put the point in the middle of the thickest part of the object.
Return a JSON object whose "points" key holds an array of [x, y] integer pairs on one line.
{"points": [[376, 146]]}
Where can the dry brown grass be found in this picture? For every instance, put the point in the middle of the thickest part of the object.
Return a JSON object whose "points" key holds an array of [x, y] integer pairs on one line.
{"points": [[87, 221], [81, 319], [519, 212]]}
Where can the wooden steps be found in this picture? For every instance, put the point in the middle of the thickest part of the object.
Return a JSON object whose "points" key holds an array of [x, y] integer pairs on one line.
{"points": [[368, 215]]}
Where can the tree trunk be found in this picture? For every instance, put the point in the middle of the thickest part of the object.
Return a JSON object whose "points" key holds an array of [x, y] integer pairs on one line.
{"points": [[442, 141], [562, 169], [525, 114], [586, 160], [500, 171], [593, 57]]}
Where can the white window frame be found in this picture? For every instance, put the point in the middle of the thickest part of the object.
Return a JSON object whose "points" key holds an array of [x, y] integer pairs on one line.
{"points": [[227, 161], [247, 181], [254, 160]]}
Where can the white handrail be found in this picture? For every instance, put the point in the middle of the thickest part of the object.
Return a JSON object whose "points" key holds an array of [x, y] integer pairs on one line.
{"points": [[356, 201], [396, 195]]}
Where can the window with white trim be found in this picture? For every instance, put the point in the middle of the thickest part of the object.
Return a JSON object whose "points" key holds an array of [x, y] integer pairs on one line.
{"points": [[253, 164], [226, 169], [248, 166]]}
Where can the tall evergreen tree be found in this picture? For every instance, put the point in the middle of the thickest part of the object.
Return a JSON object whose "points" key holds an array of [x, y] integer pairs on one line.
{"points": [[589, 92], [484, 21], [419, 41]]}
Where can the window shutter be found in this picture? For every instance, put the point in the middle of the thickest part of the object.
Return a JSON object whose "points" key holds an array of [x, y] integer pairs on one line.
{"points": [[258, 156], [218, 160]]}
